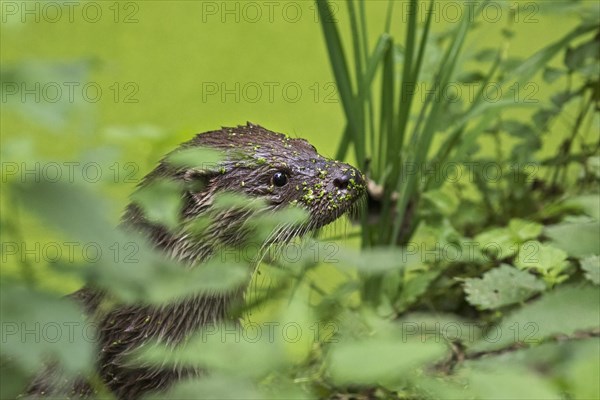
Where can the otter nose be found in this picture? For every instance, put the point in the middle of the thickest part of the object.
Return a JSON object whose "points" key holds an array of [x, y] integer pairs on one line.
{"points": [[341, 182]]}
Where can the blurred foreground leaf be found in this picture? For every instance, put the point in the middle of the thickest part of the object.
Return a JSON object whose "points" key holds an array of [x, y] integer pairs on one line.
{"points": [[39, 329], [386, 361], [199, 159], [492, 384], [227, 387], [161, 201], [226, 348], [127, 265]]}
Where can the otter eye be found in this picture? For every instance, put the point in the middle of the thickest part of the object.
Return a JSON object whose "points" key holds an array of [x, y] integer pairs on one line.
{"points": [[279, 178]]}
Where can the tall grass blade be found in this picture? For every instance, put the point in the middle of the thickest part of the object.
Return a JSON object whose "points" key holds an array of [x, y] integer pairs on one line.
{"points": [[408, 187], [340, 70]]}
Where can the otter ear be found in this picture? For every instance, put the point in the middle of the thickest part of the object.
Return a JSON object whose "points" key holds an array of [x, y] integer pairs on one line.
{"points": [[196, 165], [196, 180]]}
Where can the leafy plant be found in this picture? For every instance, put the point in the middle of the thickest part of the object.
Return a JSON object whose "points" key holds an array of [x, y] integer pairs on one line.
{"points": [[513, 228]]}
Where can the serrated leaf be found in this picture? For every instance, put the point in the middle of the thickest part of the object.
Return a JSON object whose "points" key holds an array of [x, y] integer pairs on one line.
{"points": [[562, 311], [524, 229], [498, 242], [591, 266], [580, 239], [542, 258], [414, 287], [500, 287]]}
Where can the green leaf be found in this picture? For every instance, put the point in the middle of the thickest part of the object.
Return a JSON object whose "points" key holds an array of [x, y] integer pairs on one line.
{"points": [[489, 383], [439, 327], [507, 33], [198, 158], [583, 371], [525, 230], [498, 242], [414, 286], [551, 74], [576, 58], [518, 129], [543, 258], [53, 114], [577, 239], [488, 54], [471, 77], [593, 166], [562, 311], [213, 386], [232, 200], [14, 378], [586, 203], [225, 348], [531, 65], [517, 384], [75, 209], [230, 387], [445, 203], [375, 261], [591, 266], [37, 326], [381, 360], [542, 116], [161, 201], [561, 98], [500, 287], [151, 278]]}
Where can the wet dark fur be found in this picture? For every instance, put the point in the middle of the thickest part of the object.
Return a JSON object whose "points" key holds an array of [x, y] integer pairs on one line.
{"points": [[325, 188]]}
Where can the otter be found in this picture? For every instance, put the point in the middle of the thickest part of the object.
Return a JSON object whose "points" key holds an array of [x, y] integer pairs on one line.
{"points": [[258, 163]]}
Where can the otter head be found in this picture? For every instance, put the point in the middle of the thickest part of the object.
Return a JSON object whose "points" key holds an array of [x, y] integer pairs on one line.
{"points": [[281, 171], [259, 164]]}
